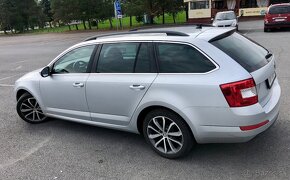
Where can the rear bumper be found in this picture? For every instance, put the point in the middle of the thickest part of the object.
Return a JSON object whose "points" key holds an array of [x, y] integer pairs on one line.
{"points": [[276, 25], [222, 125]]}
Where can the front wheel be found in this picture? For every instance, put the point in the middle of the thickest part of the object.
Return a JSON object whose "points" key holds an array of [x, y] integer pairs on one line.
{"points": [[167, 133], [29, 110]]}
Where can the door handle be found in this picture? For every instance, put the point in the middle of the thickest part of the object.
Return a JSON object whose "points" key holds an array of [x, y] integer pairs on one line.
{"points": [[78, 85], [137, 87]]}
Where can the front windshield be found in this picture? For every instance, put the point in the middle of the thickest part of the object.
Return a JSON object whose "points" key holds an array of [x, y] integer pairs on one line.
{"points": [[225, 16]]}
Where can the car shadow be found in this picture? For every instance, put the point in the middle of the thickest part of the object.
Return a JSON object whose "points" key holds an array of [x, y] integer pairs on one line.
{"points": [[255, 150]]}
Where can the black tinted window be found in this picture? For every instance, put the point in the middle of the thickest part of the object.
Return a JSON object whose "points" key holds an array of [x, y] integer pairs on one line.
{"points": [[244, 51], [279, 10], [117, 58], [180, 58], [143, 60]]}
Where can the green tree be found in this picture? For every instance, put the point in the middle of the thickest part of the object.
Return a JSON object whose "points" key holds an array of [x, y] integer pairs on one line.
{"points": [[106, 11], [65, 11], [133, 8], [47, 11], [19, 15]]}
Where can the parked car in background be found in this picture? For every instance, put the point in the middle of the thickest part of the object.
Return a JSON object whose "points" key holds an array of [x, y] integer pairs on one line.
{"points": [[277, 16], [225, 19], [175, 86]]}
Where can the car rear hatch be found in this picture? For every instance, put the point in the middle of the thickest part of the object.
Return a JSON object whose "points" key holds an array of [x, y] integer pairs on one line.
{"points": [[279, 14], [257, 60]]}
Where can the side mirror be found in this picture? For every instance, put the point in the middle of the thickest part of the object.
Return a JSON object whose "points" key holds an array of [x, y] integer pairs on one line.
{"points": [[45, 72]]}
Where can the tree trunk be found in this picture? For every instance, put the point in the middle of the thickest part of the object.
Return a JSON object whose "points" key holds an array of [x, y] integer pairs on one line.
{"points": [[151, 19], [173, 16], [131, 21], [163, 16], [77, 28], [50, 25], [111, 24], [97, 21], [90, 26], [120, 21], [84, 23], [186, 12], [69, 27]]}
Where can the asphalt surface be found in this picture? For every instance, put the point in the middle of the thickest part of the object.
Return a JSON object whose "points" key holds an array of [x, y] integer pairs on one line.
{"points": [[65, 150]]}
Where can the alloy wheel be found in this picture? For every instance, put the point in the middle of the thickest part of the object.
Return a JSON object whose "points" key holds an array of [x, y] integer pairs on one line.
{"points": [[165, 135], [31, 110]]}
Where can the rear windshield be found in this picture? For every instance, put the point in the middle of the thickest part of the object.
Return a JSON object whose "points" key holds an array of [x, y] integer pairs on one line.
{"points": [[279, 10], [247, 53]]}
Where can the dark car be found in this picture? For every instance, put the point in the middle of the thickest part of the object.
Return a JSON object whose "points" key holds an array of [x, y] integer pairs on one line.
{"points": [[277, 16]]}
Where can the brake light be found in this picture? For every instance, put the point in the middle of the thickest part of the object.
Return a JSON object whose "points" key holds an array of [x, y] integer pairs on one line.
{"points": [[241, 93]]}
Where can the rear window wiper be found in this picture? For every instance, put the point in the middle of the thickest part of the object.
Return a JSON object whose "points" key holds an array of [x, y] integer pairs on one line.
{"points": [[268, 55]]}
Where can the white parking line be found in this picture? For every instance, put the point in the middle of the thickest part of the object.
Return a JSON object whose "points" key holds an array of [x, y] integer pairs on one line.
{"points": [[6, 85], [10, 76], [17, 68]]}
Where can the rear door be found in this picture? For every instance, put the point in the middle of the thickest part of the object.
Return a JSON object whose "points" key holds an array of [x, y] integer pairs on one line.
{"points": [[254, 58], [124, 73]]}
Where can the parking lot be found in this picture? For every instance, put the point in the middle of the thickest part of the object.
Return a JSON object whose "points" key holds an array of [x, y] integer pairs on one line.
{"points": [[65, 150]]}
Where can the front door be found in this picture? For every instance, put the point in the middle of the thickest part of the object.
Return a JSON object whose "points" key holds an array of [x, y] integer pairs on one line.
{"points": [[64, 91]]}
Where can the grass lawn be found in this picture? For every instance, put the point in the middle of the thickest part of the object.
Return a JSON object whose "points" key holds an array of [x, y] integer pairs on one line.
{"points": [[180, 18]]}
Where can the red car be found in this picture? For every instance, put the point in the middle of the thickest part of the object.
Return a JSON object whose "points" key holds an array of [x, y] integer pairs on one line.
{"points": [[277, 16]]}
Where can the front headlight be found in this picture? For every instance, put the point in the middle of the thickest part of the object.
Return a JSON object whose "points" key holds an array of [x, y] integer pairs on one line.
{"points": [[234, 23]]}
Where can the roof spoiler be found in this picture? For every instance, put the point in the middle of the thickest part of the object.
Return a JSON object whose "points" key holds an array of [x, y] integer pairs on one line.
{"points": [[221, 36]]}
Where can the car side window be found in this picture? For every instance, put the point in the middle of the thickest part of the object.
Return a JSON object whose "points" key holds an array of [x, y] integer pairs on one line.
{"points": [[75, 61], [143, 61], [181, 58], [118, 58]]}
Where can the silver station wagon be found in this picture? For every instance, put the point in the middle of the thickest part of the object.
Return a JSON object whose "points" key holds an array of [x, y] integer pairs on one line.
{"points": [[176, 86]]}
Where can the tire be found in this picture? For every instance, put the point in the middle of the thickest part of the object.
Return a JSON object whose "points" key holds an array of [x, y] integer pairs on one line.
{"points": [[171, 141], [29, 110], [267, 30]]}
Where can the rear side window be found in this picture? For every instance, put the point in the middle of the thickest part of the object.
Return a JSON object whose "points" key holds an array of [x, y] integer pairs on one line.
{"points": [[279, 10], [125, 58], [181, 58], [247, 53]]}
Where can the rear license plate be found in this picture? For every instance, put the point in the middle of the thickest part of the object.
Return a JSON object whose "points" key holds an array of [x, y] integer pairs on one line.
{"points": [[271, 80], [279, 20]]}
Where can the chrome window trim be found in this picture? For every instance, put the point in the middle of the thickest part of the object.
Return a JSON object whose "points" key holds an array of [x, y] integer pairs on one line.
{"points": [[173, 42]]}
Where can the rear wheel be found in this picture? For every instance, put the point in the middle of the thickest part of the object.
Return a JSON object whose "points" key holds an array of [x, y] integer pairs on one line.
{"points": [[29, 110], [167, 133], [267, 29]]}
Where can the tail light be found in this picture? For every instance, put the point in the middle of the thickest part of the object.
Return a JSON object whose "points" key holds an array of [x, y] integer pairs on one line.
{"points": [[241, 93]]}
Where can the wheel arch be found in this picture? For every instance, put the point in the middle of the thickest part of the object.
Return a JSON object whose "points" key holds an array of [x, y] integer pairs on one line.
{"points": [[147, 109], [20, 92]]}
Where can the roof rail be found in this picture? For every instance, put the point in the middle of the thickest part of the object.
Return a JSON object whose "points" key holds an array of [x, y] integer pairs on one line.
{"points": [[168, 33], [197, 25]]}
